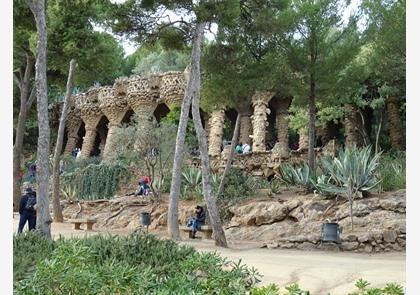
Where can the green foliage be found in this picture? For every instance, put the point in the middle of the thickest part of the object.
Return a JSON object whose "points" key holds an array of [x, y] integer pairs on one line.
{"points": [[238, 186], [191, 185], [95, 181], [158, 62], [298, 176], [29, 249], [352, 172], [135, 264], [391, 171], [271, 289], [389, 289]]}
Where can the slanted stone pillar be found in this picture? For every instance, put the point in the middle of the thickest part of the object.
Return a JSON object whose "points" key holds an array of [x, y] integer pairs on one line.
{"points": [[91, 115], [114, 105], [73, 122], [216, 122], [396, 136], [351, 121], [303, 139], [281, 106], [245, 126], [259, 119], [143, 97], [172, 88]]}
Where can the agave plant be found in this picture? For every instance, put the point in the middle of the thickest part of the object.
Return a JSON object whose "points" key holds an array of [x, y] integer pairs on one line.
{"points": [[296, 176], [192, 180], [353, 172], [69, 193]]}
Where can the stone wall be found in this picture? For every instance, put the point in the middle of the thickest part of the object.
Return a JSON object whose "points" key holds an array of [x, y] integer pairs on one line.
{"points": [[296, 222]]}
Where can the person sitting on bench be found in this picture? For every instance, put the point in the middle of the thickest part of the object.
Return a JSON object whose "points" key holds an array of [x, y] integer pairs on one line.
{"points": [[196, 222]]}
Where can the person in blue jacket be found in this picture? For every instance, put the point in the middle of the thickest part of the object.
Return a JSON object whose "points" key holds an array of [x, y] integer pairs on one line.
{"points": [[197, 221], [27, 210]]}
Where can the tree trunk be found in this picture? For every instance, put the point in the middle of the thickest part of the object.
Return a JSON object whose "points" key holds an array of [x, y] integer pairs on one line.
{"points": [[58, 215], [378, 132], [218, 232], [394, 124], [230, 155], [25, 105], [173, 226], [43, 218], [311, 129]]}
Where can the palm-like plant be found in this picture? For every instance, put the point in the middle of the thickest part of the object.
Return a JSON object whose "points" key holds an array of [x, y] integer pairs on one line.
{"points": [[353, 172]]}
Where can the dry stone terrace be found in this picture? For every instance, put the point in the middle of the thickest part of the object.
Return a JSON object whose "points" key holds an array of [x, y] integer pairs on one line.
{"points": [[95, 116]]}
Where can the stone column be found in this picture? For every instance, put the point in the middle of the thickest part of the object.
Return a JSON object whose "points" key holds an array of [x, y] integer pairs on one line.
{"points": [[245, 128], [172, 88], [303, 139], [396, 136], [281, 106], [72, 139], [73, 122], [91, 115], [351, 121], [143, 97], [216, 122], [259, 119], [113, 103], [88, 139]]}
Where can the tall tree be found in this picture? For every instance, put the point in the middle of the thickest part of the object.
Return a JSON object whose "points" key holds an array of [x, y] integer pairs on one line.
{"points": [[43, 215], [23, 63], [27, 98], [386, 32], [58, 215], [318, 46], [148, 20]]}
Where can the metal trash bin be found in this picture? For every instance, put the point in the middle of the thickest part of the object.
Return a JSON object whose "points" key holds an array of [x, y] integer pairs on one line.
{"points": [[330, 232], [145, 219]]}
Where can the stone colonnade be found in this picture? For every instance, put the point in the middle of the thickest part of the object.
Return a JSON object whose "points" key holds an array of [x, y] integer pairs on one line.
{"points": [[140, 94]]}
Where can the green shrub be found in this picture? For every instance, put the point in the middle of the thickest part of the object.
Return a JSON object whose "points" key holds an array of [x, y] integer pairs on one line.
{"points": [[271, 289], [238, 186], [28, 249], [392, 171], [135, 264], [95, 181]]}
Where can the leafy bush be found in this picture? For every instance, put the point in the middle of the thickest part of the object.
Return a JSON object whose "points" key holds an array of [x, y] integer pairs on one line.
{"points": [[95, 181], [392, 171], [29, 249], [135, 264], [238, 186]]}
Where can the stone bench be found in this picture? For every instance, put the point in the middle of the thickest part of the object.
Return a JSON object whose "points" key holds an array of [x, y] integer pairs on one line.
{"points": [[88, 221], [206, 229]]}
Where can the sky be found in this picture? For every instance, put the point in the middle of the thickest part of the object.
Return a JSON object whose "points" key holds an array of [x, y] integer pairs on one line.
{"points": [[130, 47]]}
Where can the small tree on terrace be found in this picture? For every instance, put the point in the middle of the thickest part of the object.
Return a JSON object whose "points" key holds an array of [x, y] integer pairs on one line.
{"points": [[353, 172]]}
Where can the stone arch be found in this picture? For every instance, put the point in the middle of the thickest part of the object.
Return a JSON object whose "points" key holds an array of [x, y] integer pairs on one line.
{"points": [[271, 129], [101, 135], [230, 120], [128, 116], [161, 111], [81, 134]]}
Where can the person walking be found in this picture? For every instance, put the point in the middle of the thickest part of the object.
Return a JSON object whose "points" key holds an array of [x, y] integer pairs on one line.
{"points": [[27, 210]]}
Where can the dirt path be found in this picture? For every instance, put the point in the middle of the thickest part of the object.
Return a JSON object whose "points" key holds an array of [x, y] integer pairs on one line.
{"points": [[320, 272]]}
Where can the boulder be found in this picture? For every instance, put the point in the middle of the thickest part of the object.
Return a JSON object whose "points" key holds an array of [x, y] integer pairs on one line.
{"points": [[259, 213], [306, 246], [364, 237], [390, 236], [368, 248], [349, 246]]}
